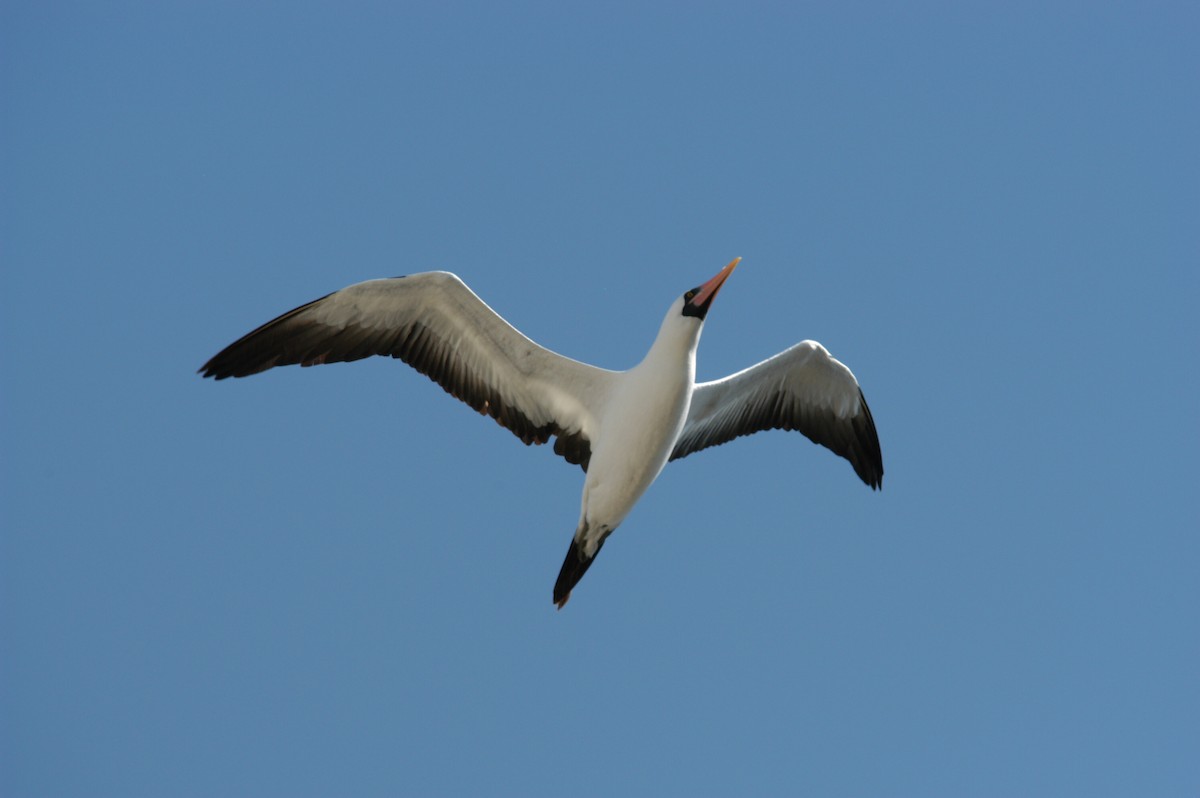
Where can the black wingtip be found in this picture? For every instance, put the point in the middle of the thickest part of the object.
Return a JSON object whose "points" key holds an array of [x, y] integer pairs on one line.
{"points": [[870, 470], [574, 566]]}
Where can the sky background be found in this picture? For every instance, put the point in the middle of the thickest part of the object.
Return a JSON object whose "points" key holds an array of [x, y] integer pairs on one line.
{"points": [[337, 581]]}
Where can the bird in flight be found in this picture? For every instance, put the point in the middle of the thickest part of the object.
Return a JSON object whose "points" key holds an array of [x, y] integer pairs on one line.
{"points": [[621, 427]]}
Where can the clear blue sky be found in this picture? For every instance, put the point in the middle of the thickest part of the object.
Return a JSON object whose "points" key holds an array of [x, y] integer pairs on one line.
{"points": [[337, 581]]}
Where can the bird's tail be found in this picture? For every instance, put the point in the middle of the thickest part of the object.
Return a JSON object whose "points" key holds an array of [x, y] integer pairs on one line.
{"points": [[575, 565]]}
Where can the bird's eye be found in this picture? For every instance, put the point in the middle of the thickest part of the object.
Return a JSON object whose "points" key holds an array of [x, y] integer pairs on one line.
{"points": [[688, 296]]}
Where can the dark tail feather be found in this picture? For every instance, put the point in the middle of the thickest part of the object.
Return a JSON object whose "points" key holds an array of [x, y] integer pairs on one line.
{"points": [[573, 568]]}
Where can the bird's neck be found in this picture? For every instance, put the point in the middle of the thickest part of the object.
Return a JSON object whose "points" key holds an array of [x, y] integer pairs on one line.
{"points": [[675, 346]]}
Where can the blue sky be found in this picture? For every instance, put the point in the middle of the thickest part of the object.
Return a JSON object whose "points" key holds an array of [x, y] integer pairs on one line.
{"points": [[337, 580]]}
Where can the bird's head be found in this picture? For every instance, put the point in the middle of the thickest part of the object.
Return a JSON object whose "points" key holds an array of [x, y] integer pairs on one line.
{"points": [[681, 327]]}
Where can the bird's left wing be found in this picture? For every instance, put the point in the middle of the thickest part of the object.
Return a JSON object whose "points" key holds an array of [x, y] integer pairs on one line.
{"points": [[437, 325], [802, 388]]}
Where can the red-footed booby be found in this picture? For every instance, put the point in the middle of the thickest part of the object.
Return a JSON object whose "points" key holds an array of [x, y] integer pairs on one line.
{"points": [[622, 427]]}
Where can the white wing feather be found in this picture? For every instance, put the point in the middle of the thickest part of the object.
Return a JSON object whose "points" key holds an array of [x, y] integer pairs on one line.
{"points": [[802, 388], [436, 324]]}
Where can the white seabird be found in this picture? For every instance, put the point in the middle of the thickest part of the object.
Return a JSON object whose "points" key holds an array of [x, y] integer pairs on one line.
{"points": [[622, 427]]}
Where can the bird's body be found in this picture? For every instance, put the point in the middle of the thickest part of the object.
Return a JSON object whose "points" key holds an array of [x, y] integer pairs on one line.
{"points": [[621, 427], [644, 412]]}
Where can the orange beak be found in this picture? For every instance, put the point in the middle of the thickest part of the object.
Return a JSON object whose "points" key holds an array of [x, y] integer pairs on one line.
{"points": [[708, 291]]}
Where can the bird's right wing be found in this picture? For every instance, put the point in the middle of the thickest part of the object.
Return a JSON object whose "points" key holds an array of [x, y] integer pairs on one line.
{"points": [[437, 325], [802, 388]]}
